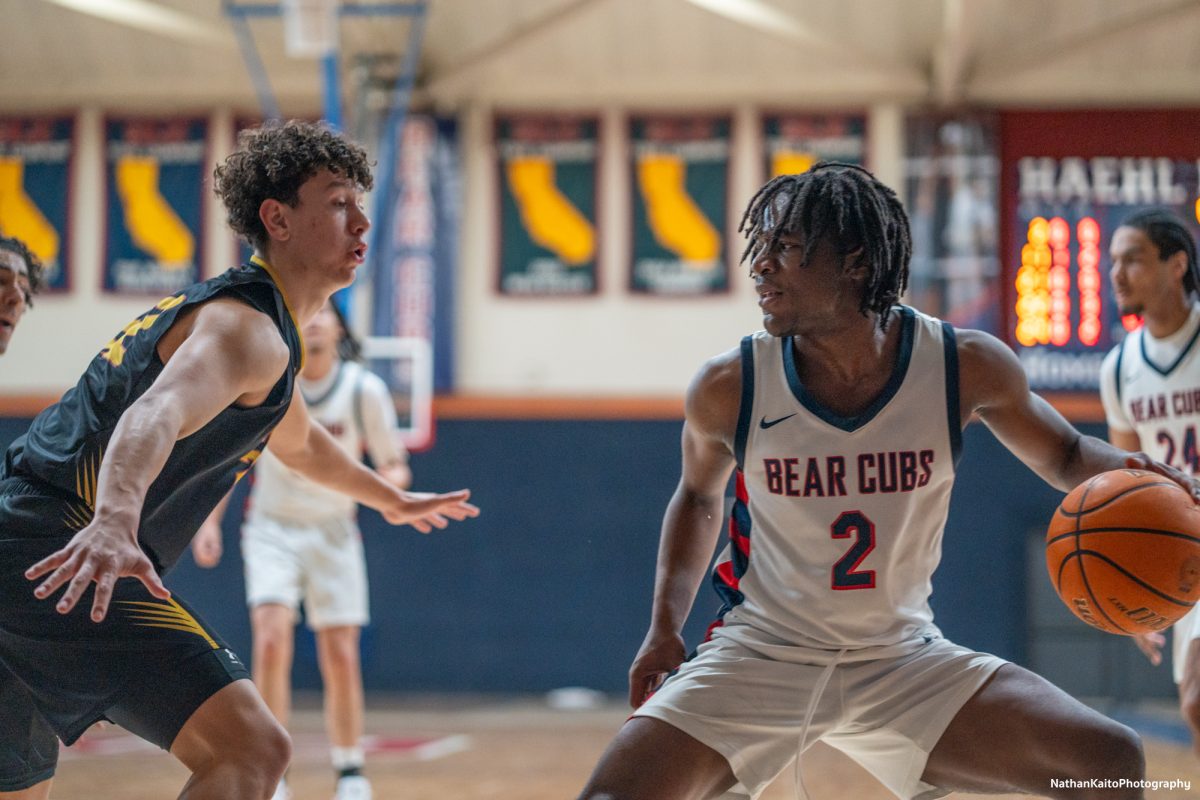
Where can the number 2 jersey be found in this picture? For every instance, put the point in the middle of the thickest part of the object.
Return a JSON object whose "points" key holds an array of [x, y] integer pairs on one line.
{"points": [[836, 528], [65, 445]]}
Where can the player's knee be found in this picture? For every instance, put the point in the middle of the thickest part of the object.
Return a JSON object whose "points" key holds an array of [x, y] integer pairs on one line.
{"points": [[272, 646], [271, 751], [343, 654], [1189, 705], [1113, 751]]}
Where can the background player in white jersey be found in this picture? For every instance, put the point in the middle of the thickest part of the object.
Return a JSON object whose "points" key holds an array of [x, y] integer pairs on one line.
{"points": [[843, 421], [301, 541], [1150, 384]]}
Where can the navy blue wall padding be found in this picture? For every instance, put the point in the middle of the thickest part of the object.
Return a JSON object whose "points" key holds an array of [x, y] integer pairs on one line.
{"points": [[551, 586]]}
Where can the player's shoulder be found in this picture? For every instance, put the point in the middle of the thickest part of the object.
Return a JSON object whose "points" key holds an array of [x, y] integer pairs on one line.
{"points": [[987, 368], [714, 395], [235, 327], [368, 382]]}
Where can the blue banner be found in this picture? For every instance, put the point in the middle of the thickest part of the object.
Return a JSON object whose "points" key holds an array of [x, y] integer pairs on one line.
{"points": [[35, 190], [415, 251], [154, 171]]}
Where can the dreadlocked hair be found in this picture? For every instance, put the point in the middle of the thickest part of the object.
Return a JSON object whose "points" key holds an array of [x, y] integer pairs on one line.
{"points": [[846, 205], [1170, 236]]}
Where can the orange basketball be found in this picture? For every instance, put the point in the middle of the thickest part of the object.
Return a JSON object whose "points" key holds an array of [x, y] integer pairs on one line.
{"points": [[1123, 550]]}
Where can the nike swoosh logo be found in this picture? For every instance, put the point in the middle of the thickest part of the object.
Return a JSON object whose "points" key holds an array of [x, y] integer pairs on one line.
{"points": [[762, 423]]}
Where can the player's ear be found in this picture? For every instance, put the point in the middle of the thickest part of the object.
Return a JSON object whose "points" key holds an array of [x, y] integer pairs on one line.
{"points": [[854, 265], [1178, 265], [274, 218]]}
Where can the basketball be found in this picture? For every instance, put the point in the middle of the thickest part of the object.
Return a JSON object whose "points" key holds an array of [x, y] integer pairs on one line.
{"points": [[1123, 551]]}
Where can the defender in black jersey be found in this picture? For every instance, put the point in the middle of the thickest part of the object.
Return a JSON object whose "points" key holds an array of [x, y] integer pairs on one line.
{"points": [[105, 491]]}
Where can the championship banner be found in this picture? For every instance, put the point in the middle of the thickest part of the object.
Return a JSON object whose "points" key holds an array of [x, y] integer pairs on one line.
{"points": [[792, 143], [951, 191], [35, 190], [680, 200], [547, 182], [1069, 179], [155, 173]]}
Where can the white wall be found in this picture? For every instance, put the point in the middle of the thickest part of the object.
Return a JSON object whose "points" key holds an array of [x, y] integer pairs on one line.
{"points": [[614, 343]]}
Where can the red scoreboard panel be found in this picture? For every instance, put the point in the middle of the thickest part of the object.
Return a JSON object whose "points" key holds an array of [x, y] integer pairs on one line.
{"points": [[1067, 181]]}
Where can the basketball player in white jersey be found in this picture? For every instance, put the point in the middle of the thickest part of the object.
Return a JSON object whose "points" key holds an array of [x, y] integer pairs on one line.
{"points": [[843, 421], [1150, 385], [300, 541]]}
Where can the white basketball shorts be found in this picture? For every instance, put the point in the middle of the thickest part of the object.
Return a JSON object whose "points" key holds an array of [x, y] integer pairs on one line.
{"points": [[887, 713], [320, 562], [1185, 631]]}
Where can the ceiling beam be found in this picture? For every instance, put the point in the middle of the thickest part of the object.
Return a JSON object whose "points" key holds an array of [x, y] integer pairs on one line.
{"points": [[465, 67], [771, 21], [951, 54], [152, 18], [1051, 49]]}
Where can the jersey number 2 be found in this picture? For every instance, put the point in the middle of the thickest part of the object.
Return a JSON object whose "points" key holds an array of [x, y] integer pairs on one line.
{"points": [[846, 574]]}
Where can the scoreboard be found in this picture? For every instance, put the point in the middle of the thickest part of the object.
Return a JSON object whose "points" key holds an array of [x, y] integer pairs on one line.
{"points": [[1068, 181]]}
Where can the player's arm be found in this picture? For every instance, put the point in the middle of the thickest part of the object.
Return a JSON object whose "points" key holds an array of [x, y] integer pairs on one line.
{"points": [[305, 446], [381, 431], [223, 353], [992, 385], [693, 519]]}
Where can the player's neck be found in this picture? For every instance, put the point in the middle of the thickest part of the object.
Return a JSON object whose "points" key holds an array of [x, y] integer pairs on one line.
{"points": [[306, 287], [853, 348], [1166, 320]]}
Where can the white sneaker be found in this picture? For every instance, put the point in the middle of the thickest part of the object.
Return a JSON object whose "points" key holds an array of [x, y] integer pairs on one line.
{"points": [[281, 792], [353, 787]]}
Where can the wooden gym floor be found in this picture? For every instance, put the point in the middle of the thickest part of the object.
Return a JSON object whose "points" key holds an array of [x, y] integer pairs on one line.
{"points": [[489, 749]]}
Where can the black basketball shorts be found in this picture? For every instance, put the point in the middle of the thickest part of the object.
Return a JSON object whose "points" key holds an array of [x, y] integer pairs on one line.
{"points": [[147, 666]]}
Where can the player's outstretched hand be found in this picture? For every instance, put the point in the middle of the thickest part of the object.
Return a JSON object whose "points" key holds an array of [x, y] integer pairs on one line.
{"points": [[1143, 461], [100, 553], [426, 511], [1151, 645], [660, 653]]}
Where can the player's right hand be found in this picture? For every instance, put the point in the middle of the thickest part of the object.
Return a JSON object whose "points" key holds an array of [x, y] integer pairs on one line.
{"points": [[426, 511], [102, 552], [659, 655], [206, 545], [1151, 645]]}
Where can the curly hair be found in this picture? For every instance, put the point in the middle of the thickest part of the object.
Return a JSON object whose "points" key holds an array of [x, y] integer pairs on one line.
{"points": [[273, 162], [848, 206], [32, 263]]}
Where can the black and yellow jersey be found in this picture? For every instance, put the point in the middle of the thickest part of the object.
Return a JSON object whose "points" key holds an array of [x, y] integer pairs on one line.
{"points": [[66, 443]]}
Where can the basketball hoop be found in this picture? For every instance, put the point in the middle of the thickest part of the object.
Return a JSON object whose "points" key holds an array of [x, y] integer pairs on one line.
{"points": [[310, 27]]}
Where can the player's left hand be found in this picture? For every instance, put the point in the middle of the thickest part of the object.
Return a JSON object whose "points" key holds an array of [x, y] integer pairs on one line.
{"points": [[99, 553], [426, 511], [1143, 461]]}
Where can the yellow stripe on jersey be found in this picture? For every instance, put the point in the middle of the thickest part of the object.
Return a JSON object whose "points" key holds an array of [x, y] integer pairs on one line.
{"points": [[85, 478], [77, 517], [259, 262], [166, 614]]}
